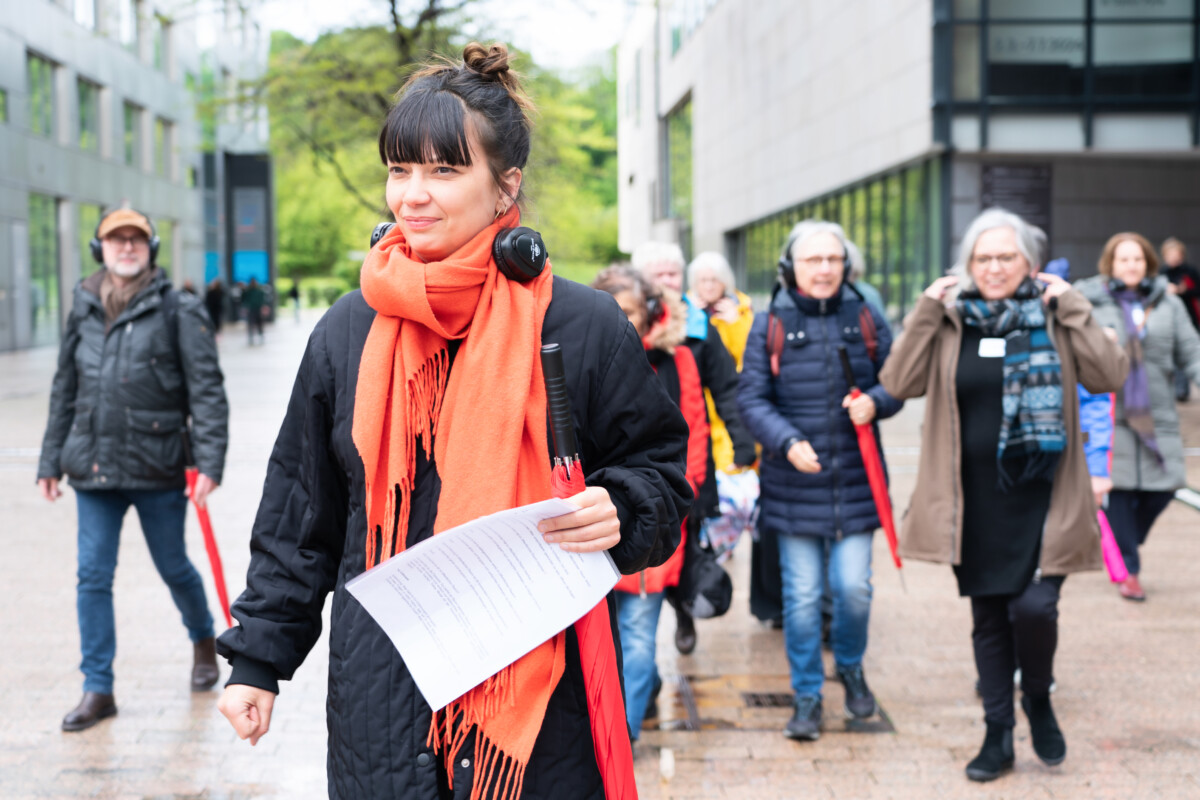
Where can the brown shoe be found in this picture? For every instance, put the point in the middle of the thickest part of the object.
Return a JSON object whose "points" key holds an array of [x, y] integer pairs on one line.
{"points": [[1131, 589], [91, 709], [204, 665]]}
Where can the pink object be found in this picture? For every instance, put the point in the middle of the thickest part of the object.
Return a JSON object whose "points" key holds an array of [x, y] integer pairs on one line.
{"points": [[1113, 560]]}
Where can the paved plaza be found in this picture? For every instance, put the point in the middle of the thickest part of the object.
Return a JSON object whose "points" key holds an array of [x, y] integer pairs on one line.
{"points": [[1128, 674]]}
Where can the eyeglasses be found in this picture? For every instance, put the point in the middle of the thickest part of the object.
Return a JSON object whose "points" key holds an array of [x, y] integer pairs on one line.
{"points": [[121, 241], [816, 261], [1004, 259]]}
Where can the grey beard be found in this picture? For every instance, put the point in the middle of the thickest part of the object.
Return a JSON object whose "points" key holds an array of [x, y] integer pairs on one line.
{"points": [[128, 271]]}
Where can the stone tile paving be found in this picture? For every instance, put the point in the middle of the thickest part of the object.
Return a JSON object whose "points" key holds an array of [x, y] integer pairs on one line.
{"points": [[1128, 681]]}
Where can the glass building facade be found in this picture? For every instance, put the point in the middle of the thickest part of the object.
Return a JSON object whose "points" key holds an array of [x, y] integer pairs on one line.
{"points": [[895, 219]]}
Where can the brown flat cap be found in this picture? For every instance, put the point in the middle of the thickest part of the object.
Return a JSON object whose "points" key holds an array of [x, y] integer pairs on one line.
{"points": [[124, 217]]}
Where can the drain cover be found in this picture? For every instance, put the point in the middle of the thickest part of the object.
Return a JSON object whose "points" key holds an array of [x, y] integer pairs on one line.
{"points": [[767, 700]]}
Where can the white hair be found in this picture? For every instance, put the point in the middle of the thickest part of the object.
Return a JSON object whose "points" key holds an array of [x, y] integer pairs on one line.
{"points": [[1028, 244], [715, 263], [647, 254], [806, 229]]}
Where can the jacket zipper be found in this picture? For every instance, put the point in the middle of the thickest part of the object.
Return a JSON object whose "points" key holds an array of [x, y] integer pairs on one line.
{"points": [[830, 417], [642, 584]]}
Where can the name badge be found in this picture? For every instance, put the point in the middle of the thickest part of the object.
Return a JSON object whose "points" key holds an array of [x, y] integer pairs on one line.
{"points": [[1139, 316], [991, 348]]}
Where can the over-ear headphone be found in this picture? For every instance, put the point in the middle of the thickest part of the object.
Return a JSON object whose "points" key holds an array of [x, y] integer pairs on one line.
{"points": [[1144, 286], [787, 266], [520, 253], [97, 247]]}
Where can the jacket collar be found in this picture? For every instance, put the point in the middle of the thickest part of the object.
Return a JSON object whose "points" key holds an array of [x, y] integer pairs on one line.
{"points": [[88, 292], [784, 300]]}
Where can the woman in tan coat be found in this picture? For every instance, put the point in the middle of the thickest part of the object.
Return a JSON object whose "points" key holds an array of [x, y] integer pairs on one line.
{"points": [[1003, 492]]}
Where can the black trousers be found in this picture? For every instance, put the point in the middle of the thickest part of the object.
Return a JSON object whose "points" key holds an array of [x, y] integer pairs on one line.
{"points": [[1015, 630], [1131, 515]]}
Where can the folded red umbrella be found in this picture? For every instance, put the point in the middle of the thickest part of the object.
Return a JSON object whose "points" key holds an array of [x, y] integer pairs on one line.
{"points": [[597, 651], [873, 464], [210, 540]]}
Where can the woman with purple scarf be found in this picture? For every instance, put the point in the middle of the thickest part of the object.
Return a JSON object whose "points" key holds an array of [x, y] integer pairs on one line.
{"points": [[1152, 324]]}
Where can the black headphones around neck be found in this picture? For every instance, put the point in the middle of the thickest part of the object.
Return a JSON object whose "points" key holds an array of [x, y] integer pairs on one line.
{"points": [[656, 309], [97, 247], [787, 267], [520, 253], [1143, 288]]}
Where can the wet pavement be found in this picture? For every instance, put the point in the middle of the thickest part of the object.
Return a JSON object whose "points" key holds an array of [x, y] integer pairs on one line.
{"points": [[1128, 674]]}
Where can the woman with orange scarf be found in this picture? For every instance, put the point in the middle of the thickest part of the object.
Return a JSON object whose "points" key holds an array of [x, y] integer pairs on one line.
{"points": [[420, 405]]}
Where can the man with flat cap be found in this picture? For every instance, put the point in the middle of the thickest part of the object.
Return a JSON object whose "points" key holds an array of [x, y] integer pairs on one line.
{"points": [[138, 360]]}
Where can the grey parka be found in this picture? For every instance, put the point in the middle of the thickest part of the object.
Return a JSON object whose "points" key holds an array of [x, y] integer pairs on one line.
{"points": [[120, 396], [1171, 344]]}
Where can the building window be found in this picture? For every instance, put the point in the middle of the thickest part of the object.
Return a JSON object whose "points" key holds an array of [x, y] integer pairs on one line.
{"points": [[160, 31], [678, 180], [89, 116], [3, 105], [164, 148], [43, 269], [41, 95], [128, 30], [85, 13], [684, 17], [165, 229], [132, 134], [89, 219], [892, 219], [1082, 58]]}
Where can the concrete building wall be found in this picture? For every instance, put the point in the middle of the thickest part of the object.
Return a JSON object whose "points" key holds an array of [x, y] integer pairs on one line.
{"points": [[790, 99], [56, 166]]}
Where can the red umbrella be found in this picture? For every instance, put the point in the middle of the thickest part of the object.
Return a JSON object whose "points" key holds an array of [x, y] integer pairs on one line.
{"points": [[597, 651], [210, 540], [873, 464]]}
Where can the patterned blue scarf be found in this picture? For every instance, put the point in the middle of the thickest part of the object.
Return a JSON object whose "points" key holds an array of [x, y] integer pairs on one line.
{"points": [[1032, 435]]}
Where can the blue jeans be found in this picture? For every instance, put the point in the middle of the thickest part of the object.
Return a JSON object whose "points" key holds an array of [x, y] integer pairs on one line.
{"points": [[637, 621], [100, 515], [805, 566]]}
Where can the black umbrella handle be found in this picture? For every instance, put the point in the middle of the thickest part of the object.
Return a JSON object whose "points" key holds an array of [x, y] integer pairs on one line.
{"points": [[558, 404], [846, 370]]}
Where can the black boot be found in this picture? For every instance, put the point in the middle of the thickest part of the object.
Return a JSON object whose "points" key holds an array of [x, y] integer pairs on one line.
{"points": [[204, 665], [685, 630], [1048, 741], [91, 709], [995, 757]]}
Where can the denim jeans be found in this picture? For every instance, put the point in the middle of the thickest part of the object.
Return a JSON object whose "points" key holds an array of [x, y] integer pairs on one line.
{"points": [[100, 514], [637, 621], [805, 567]]}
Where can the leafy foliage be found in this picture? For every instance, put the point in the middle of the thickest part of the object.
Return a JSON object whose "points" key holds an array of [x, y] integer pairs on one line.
{"points": [[328, 99]]}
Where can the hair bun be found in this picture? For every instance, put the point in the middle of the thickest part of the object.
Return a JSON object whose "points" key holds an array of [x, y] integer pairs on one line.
{"points": [[491, 61]]}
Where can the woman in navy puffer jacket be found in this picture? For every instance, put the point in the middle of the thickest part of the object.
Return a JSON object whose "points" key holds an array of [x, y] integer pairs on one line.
{"points": [[815, 496]]}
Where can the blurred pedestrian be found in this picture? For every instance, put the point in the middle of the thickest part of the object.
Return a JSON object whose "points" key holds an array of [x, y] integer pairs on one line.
{"points": [[659, 317], [1003, 492], [294, 295], [358, 474], [188, 287], [253, 300], [794, 397], [1184, 284], [214, 301], [1152, 325], [119, 408], [662, 264]]}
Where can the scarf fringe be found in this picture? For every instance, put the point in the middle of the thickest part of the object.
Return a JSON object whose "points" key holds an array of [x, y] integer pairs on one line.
{"points": [[426, 388], [495, 769]]}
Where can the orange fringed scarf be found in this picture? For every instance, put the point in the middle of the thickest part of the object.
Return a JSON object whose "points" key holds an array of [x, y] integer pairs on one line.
{"points": [[494, 456]]}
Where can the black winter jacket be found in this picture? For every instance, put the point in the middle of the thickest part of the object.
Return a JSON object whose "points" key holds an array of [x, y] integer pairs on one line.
{"points": [[805, 402], [121, 396], [309, 540]]}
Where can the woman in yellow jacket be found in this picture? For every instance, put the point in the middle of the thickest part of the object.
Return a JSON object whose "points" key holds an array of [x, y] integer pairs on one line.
{"points": [[712, 288]]}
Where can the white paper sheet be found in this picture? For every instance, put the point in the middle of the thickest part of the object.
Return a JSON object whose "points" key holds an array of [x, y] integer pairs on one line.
{"points": [[464, 604]]}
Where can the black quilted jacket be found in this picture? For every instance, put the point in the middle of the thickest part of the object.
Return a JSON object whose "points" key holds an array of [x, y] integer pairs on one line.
{"points": [[308, 541]]}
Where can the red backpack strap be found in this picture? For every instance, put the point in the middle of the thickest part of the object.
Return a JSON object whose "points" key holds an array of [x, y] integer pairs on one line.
{"points": [[774, 342], [870, 334]]}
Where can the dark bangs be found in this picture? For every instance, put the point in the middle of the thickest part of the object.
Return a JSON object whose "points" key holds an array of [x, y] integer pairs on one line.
{"points": [[426, 126]]}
